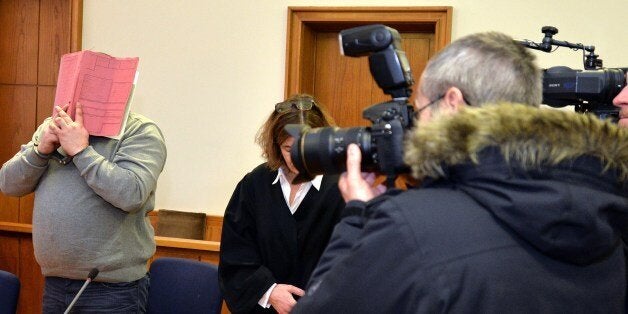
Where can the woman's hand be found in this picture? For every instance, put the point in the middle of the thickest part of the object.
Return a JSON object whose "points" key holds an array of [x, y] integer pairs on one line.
{"points": [[281, 298]]}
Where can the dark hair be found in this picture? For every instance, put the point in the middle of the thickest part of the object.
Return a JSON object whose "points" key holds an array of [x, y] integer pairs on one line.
{"points": [[272, 133]]}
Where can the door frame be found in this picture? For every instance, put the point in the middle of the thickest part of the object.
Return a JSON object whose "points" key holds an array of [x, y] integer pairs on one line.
{"points": [[305, 22]]}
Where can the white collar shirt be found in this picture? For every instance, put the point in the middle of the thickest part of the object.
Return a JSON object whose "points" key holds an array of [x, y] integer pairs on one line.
{"points": [[303, 189]]}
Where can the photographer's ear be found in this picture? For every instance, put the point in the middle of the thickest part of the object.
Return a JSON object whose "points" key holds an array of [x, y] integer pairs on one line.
{"points": [[453, 100]]}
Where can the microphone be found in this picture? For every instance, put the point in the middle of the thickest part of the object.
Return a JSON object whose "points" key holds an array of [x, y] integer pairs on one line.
{"points": [[92, 274]]}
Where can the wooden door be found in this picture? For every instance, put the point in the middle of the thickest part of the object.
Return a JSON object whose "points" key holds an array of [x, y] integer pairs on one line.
{"points": [[342, 84]]}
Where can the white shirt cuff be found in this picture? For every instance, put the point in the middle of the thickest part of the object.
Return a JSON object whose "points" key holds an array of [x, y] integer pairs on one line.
{"points": [[263, 302]]}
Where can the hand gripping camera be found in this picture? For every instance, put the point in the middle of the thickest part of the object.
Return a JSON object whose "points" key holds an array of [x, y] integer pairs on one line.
{"points": [[324, 150], [590, 91]]}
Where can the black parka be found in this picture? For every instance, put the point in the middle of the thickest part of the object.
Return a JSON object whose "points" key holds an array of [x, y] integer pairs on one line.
{"points": [[522, 210]]}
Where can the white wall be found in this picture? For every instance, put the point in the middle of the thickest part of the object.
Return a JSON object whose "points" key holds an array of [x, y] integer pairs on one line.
{"points": [[211, 70]]}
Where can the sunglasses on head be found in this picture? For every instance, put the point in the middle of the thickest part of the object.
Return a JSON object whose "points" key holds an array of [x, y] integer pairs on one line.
{"points": [[299, 104]]}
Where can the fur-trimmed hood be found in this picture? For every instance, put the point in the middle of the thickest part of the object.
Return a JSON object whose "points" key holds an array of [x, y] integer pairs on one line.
{"points": [[558, 179]]}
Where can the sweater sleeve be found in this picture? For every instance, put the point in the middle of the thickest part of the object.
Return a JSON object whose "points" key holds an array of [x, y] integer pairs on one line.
{"points": [[242, 277], [130, 178], [20, 174]]}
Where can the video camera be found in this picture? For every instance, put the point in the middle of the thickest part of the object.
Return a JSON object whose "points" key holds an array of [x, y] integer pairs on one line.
{"points": [[591, 90], [324, 150]]}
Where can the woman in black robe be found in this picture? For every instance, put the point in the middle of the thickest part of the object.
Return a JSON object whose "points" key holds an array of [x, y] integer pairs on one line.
{"points": [[275, 230]]}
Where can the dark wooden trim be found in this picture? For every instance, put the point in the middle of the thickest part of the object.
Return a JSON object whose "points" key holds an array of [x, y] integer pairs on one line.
{"points": [[16, 227], [200, 245], [76, 36]]}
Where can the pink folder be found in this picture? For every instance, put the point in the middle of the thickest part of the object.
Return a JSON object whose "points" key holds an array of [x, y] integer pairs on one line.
{"points": [[102, 84]]}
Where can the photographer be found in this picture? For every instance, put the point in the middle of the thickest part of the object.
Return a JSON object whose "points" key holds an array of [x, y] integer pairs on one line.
{"points": [[520, 210]]}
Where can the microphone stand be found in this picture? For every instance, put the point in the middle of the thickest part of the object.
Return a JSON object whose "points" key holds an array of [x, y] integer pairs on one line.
{"points": [[92, 274]]}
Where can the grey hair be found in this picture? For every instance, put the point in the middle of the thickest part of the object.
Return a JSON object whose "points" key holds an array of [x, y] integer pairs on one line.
{"points": [[488, 68]]}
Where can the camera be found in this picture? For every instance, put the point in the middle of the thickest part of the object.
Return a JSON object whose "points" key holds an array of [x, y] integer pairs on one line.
{"points": [[324, 150], [590, 91]]}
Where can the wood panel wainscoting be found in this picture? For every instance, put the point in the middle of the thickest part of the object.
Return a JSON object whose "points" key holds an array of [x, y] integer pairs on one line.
{"points": [[17, 256]]}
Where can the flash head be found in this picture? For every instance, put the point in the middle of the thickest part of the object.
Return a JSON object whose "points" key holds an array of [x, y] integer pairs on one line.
{"points": [[387, 61], [363, 40]]}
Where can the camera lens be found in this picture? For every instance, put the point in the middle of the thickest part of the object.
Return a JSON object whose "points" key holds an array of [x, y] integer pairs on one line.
{"points": [[615, 81], [324, 150]]}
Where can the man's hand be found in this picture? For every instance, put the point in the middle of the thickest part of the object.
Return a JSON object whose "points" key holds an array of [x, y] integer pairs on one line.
{"points": [[72, 135], [281, 298], [355, 185], [48, 141]]}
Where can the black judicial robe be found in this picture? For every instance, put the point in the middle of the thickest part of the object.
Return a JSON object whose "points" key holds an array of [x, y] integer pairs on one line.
{"points": [[263, 243]]}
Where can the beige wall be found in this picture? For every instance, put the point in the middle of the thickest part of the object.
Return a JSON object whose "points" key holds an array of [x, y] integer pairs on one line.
{"points": [[211, 70]]}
